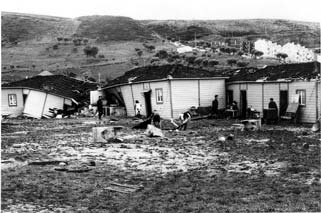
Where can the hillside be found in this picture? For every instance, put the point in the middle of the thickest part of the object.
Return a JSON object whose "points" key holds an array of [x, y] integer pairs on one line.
{"points": [[33, 43], [111, 28], [281, 31]]}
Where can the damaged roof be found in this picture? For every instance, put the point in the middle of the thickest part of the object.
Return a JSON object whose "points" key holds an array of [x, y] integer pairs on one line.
{"points": [[57, 85], [310, 70], [158, 72]]}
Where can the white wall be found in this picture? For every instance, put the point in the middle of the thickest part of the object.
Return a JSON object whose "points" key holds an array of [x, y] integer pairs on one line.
{"points": [[210, 88], [163, 109], [34, 104], [11, 110], [185, 95], [128, 99]]}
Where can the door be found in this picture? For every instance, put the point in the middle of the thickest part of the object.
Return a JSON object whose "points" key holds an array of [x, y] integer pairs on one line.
{"points": [[284, 101], [243, 103], [148, 103]]}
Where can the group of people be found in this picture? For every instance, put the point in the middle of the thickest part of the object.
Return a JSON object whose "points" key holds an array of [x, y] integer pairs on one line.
{"points": [[184, 117]]}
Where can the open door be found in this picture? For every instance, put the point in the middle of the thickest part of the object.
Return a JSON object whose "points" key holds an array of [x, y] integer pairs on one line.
{"points": [[243, 103], [148, 103], [284, 101]]}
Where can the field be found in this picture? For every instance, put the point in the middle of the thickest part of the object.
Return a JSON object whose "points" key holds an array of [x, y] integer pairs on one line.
{"points": [[274, 169]]}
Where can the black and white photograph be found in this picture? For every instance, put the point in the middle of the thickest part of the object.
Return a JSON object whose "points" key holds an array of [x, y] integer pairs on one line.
{"points": [[160, 106]]}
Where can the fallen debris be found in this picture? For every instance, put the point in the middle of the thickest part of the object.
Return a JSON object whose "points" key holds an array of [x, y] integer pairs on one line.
{"points": [[123, 188], [153, 131], [47, 162]]}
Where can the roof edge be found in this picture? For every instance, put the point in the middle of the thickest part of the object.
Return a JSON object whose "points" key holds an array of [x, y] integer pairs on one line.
{"points": [[164, 79]]}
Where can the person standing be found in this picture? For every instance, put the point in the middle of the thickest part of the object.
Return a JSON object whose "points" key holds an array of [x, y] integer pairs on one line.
{"points": [[273, 115], [138, 108], [215, 106], [100, 107]]}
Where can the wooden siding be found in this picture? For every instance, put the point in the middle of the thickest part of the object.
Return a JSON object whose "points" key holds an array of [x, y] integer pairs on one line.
{"points": [[254, 96], [210, 88], [319, 100], [185, 95], [163, 109], [271, 90], [34, 104], [308, 112], [128, 99], [11, 110]]}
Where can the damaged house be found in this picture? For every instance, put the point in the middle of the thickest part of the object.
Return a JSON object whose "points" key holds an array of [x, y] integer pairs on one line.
{"points": [[254, 87], [36, 96], [169, 89]]}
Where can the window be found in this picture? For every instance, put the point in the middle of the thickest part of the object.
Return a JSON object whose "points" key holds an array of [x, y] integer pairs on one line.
{"points": [[159, 96], [12, 99], [302, 97]]}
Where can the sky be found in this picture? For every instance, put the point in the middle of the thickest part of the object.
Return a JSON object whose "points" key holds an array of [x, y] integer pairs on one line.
{"points": [[301, 10]]}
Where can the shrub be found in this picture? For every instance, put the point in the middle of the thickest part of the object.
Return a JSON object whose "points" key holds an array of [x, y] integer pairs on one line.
{"points": [[212, 63], [242, 63], [59, 39], [231, 62], [281, 56], [198, 61], [190, 59], [91, 51], [162, 54], [75, 50], [101, 56], [55, 47], [205, 63], [11, 66]]}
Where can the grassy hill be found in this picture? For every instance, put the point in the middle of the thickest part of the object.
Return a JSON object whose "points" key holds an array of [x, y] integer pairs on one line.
{"points": [[115, 28], [30, 42], [281, 31]]}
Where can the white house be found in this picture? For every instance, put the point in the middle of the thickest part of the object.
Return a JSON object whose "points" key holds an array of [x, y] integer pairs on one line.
{"points": [[34, 97], [254, 87], [169, 89]]}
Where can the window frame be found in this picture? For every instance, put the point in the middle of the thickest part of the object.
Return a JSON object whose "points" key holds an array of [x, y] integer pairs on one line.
{"points": [[298, 91], [157, 90], [15, 98]]}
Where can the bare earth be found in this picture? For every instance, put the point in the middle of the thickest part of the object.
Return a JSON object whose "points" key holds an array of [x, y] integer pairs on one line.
{"points": [[275, 169]]}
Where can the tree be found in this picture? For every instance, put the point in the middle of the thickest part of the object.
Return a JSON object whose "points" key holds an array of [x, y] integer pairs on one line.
{"points": [[242, 63], [231, 62], [190, 59], [59, 39], [162, 54], [258, 53], [281, 56], [91, 51], [212, 63]]}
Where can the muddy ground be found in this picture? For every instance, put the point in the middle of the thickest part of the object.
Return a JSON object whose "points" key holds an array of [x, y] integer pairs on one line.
{"points": [[275, 169]]}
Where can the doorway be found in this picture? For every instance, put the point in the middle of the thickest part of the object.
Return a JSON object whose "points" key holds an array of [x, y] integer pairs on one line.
{"points": [[148, 103], [243, 103], [284, 101]]}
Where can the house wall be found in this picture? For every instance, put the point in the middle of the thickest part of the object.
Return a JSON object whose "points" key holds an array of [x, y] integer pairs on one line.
{"points": [[128, 99], [308, 112], [259, 94], [183, 94], [11, 110], [210, 88], [35, 103]]}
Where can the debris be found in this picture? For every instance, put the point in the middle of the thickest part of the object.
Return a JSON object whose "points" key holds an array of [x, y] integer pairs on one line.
{"points": [[316, 126], [305, 146], [73, 168], [102, 134], [230, 137], [123, 188], [222, 139], [46, 162], [251, 125], [153, 131]]}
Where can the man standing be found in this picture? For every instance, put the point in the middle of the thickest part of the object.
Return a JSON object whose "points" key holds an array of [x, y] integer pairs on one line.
{"points": [[100, 107], [215, 106], [272, 104]]}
